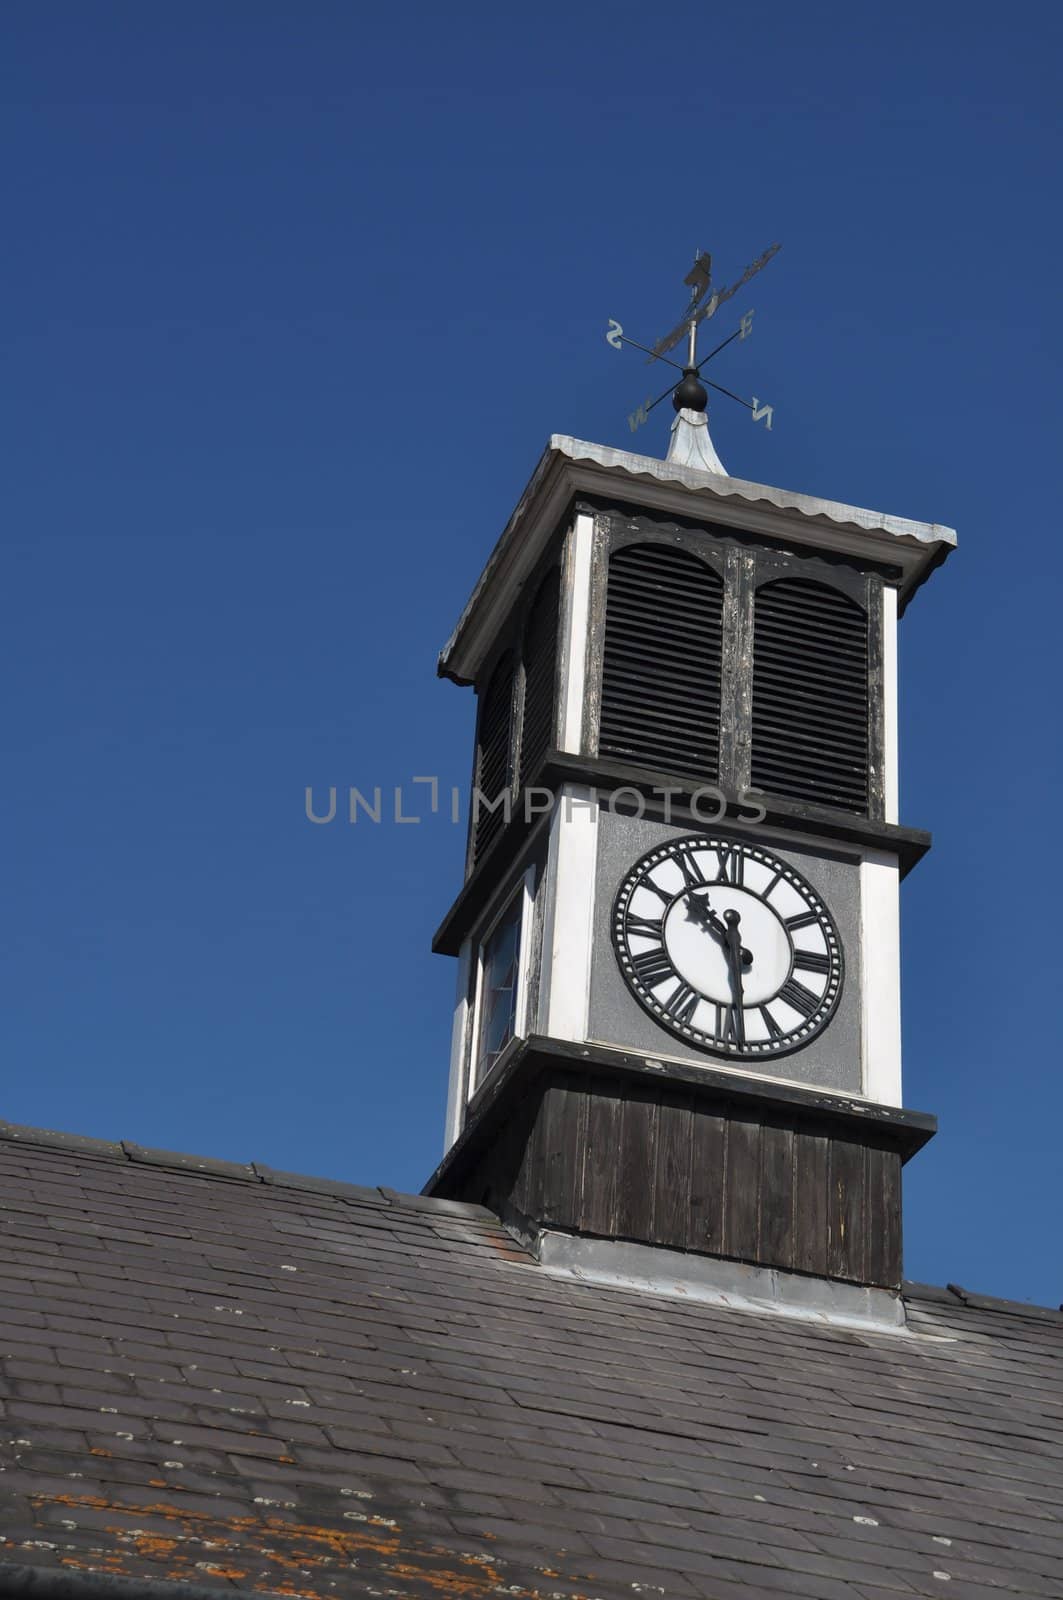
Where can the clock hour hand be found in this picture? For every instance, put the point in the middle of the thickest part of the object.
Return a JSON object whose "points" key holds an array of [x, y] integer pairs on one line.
{"points": [[700, 911]]}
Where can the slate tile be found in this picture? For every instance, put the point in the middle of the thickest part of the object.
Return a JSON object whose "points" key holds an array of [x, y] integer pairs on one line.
{"points": [[523, 1534], [675, 1424], [665, 1581], [770, 1582]]}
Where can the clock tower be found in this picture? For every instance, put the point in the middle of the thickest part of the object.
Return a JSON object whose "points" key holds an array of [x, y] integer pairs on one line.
{"points": [[678, 1011]]}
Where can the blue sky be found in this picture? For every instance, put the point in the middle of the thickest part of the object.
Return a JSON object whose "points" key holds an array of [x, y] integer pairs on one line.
{"points": [[294, 296]]}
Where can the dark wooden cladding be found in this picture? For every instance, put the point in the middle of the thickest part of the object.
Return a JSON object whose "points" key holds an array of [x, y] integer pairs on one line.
{"points": [[810, 1181], [664, 1165], [742, 1188], [777, 1194], [672, 1175], [601, 1172], [636, 1159]]}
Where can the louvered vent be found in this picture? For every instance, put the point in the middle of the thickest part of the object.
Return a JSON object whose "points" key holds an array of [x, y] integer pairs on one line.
{"points": [[661, 668], [540, 673], [810, 710], [492, 754]]}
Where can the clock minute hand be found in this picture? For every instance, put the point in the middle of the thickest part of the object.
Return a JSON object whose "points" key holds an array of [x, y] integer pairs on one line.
{"points": [[736, 955]]}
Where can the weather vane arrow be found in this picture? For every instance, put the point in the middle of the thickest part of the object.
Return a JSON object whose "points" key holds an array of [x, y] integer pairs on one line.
{"points": [[688, 393]]}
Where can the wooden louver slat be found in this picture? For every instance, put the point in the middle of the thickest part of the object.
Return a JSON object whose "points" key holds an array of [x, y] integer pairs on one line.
{"points": [[810, 694], [540, 674], [660, 704], [493, 743]]}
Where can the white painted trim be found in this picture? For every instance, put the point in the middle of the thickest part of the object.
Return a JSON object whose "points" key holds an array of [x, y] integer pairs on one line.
{"points": [[456, 1091], [568, 932], [880, 977], [891, 747], [524, 954], [574, 649], [523, 889]]}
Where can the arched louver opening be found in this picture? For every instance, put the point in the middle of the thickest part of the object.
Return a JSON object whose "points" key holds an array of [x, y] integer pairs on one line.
{"points": [[661, 667], [540, 675], [810, 694], [493, 740]]}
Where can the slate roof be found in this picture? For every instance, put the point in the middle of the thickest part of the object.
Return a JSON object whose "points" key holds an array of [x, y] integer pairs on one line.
{"points": [[244, 1379]]}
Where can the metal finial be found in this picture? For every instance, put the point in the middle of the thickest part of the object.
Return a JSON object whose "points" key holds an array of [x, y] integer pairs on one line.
{"points": [[690, 394]]}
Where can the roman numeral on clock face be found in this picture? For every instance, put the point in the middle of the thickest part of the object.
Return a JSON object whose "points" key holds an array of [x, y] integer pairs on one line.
{"points": [[805, 919], [683, 1003], [730, 1025], [646, 927], [652, 967], [795, 994], [774, 1031], [732, 866], [693, 877], [812, 961], [767, 893], [663, 895]]}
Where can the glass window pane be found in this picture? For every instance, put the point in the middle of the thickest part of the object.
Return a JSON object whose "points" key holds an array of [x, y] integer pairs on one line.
{"points": [[498, 990]]}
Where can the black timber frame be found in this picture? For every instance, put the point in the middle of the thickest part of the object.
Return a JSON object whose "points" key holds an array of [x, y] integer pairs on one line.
{"points": [[744, 560], [612, 1145], [744, 563]]}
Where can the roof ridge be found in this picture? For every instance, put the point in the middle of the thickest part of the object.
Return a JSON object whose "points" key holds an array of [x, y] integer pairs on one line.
{"points": [[949, 1293], [254, 1172]]}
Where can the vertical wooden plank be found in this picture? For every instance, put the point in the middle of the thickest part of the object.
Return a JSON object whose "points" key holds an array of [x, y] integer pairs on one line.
{"points": [[592, 705], [528, 1190], [811, 1183], [498, 1176], [776, 1196], [638, 1160], [736, 679], [742, 1187], [883, 1221], [556, 1123], [845, 1250], [601, 1162], [572, 1144], [876, 703], [671, 1220], [708, 1157]]}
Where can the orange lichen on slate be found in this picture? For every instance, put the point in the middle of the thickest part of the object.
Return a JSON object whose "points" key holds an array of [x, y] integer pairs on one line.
{"points": [[313, 1549]]}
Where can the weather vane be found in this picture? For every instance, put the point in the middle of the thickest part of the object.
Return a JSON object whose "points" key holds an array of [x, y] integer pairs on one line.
{"points": [[687, 392]]}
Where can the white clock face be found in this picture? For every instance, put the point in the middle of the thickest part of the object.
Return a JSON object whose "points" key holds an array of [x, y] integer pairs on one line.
{"points": [[727, 947]]}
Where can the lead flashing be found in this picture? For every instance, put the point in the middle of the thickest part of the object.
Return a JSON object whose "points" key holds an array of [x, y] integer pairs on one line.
{"points": [[623, 1264]]}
